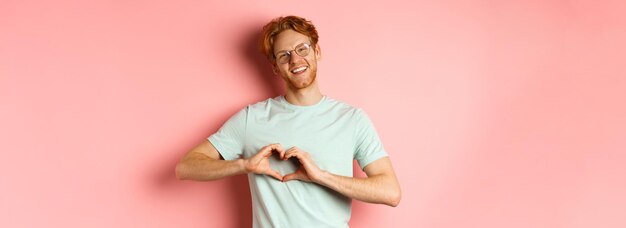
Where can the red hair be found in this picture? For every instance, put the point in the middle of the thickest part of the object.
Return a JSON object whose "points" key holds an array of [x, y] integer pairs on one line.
{"points": [[277, 25]]}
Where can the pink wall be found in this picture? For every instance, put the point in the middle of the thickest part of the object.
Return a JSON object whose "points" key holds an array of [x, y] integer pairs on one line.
{"points": [[495, 113]]}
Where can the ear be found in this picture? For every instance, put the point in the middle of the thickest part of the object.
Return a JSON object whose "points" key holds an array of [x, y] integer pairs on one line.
{"points": [[318, 52], [275, 69]]}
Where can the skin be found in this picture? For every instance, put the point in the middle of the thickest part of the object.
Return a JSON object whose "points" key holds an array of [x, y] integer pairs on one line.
{"points": [[301, 89], [204, 163]]}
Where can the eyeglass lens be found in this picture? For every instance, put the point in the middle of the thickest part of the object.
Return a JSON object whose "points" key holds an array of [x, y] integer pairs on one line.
{"points": [[302, 50]]}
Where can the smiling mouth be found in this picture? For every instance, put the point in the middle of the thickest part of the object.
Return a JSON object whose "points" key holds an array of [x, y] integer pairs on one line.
{"points": [[299, 70]]}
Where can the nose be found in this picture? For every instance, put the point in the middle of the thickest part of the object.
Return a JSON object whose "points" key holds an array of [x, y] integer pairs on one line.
{"points": [[294, 57]]}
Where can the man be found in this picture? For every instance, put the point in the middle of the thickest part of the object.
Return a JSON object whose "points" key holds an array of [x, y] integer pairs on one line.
{"points": [[297, 149]]}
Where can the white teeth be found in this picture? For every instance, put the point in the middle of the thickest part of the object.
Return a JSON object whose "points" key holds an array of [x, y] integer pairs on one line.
{"points": [[298, 70]]}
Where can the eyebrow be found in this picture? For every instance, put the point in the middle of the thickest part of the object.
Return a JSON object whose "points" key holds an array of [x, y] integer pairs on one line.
{"points": [[293, 47], [278, 52]]}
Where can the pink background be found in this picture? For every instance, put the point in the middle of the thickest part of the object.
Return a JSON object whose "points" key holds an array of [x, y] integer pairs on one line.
{"points": [[495, 113]]}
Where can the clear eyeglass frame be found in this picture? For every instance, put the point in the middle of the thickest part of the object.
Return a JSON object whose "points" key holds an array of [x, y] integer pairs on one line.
{"points": [[301, 50]]}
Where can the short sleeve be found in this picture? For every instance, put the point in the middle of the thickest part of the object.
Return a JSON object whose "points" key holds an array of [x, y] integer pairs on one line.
{"points": [[229, 140], [369, 148]]}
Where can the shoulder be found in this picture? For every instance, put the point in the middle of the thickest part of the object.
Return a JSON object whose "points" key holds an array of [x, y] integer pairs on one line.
{"points": [[345, 108], [263, 105]]}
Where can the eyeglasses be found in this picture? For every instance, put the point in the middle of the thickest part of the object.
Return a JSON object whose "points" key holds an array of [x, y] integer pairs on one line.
{"points": [[284, 56]]}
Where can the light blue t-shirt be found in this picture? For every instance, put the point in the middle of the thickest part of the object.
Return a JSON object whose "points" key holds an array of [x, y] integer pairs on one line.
{"points": [[332, 132]]}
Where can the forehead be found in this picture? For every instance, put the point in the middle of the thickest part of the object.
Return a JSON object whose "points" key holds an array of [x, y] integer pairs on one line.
{"points": [[288, 40]]}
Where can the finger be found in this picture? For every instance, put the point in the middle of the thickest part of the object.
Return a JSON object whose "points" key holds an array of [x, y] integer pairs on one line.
{"points": [[290, 154], [291, 176], [279, 148], [266, 151], [293, 150], [275, 174], [296, 153]]}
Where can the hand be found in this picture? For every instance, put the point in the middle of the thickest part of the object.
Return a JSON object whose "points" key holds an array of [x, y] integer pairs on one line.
{"points": [[308, 170], [260, 164]]}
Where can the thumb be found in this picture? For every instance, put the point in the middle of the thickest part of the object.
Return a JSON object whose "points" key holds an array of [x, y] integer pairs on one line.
{"points": [[275, 174], [292, 176]]}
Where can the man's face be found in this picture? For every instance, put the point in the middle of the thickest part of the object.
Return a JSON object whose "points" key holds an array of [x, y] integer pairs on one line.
{"points": [[299, 72]]}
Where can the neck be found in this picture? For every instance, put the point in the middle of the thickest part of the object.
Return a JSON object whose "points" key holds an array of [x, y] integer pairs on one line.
{"points": [[303, 97]]}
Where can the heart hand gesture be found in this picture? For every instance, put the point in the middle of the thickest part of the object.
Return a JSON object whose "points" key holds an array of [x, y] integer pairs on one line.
{"points": [[260, 164], [308, 170]]}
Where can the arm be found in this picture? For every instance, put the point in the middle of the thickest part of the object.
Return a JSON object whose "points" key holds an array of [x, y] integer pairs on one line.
{"points": [[380, 185], [204, 163]]}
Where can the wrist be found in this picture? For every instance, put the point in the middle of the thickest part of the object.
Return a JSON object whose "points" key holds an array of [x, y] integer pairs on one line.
{"points": [[243, 165], [323, 178]]}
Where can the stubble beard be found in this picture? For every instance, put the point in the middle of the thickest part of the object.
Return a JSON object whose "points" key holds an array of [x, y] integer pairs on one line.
{"points": [[304, 83]]}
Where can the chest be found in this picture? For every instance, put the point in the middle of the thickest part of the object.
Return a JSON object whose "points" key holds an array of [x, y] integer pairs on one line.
{"points": [[329, 141]]}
